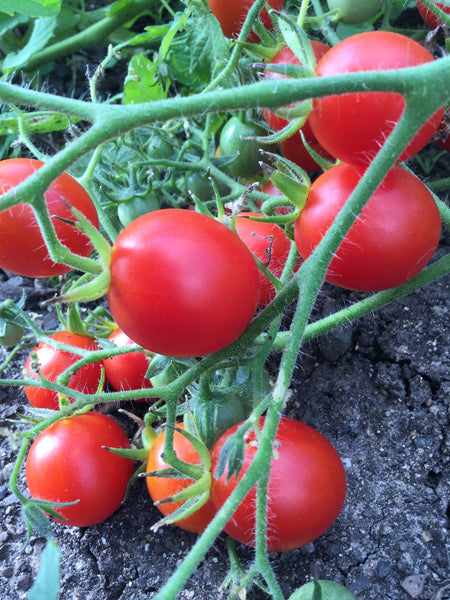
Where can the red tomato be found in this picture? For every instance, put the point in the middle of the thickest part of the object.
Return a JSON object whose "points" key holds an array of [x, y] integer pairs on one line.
{"points": [[161, 488], [354, 126], [182, 284], [126, 371], [428, 15], [52, 362], [22, 248], [231, 15], [270, 245], [393, 239], [307, 487], [69, 461], [293, 148]]}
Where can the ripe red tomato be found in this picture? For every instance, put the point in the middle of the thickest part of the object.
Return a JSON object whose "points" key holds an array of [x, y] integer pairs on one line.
{"points": [[393, 239], [231, 15], [161, 488], [22, 248], [52, 362], [126, 371], [293, 148], [307, 487], [270, 245], [353, 126], [69, 461], [182, 284], [428, 15]]}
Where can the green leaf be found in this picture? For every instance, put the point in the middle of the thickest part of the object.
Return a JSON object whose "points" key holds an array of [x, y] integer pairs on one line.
{"points": [[143, 82], [35, 122], [42, 31], [46, 585], [31, 8]]}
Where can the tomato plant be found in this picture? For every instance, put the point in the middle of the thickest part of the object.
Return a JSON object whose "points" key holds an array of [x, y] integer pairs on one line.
{"points": [[353, 126], [355, 12], [70, 461], [248, 153], [293, 147], [307, 487], [269, 244], [182, 284], [52, 362], [231, 15], [328, 590], [136, 207], [22, 247], [392, 240], [161, 488], [430, 18], [126, 371]]}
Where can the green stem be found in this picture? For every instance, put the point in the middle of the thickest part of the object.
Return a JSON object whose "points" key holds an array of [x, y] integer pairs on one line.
{"points": [[92, 34]]}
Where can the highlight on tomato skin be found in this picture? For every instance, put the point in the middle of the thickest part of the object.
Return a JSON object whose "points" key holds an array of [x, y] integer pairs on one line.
{"points": [[430, 18], [182, 284], [307, 487], [161, 488], [270, 244], [69, 461], [231, 15], [354, 126], [293, 147], [126, 371], [22, 247], [52, 362], [391, 241]]}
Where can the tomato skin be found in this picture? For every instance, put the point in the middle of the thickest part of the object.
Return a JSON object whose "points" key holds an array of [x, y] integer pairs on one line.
{"points": [[269, 244], [247, 162], [231, 15], [307, 487], [126, 371], [182, 284], [53, 362], [355, 12], [67, 462], [22, 248], [393, 239], [428, 15], [160, 488], [293, 148], [354, 126]]}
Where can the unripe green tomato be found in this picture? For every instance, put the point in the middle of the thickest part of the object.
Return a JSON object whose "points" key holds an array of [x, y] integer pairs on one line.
{"points": [[132, 209], [231, 142], [201, 187], [159, 147], [356, 11], [10, 334], [330, 590]]}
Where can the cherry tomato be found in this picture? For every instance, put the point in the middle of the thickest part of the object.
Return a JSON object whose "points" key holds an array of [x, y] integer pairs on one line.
{"points": [[126, 371], [246, 163], [231, 15], [307, 487], [182, 284], [353, 126], [428, 15], [52, 362], [293, 148], [269, 244], [393, 239], [355, 12], [22, 248], [69, 461], [132, 209], [161, 488]]}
